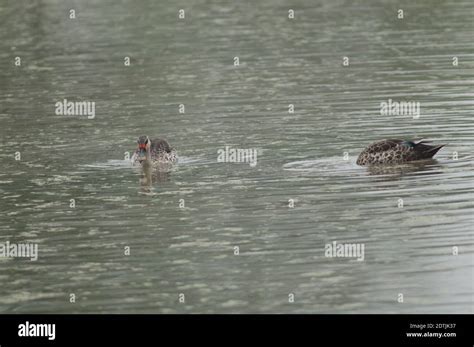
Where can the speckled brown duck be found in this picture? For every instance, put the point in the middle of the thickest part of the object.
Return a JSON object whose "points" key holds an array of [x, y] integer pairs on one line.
{"points": [[396, 152], [154, 152]]}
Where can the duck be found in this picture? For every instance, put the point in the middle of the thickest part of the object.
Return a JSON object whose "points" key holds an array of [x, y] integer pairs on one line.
{"points": [[396, 151], [154, 152]]}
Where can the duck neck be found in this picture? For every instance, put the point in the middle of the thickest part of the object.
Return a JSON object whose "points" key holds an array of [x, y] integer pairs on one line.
{"points": [[146, 166], [148, 155]]}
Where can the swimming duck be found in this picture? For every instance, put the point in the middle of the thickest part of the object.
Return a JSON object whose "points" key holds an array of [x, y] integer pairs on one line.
{"points": [[154, 152], [396, 152]]}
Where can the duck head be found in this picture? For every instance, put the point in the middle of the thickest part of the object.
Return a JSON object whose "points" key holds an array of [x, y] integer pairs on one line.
{"points": [[143, 150]]}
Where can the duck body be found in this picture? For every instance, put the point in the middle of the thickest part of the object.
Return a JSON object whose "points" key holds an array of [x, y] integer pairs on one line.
{"points": [[395, 151], [154, 152]]}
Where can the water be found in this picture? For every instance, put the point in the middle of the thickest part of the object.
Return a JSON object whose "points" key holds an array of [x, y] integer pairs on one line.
{"points": [[190, 250]]}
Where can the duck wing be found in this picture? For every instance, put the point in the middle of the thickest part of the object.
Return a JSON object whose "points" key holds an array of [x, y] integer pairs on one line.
{"points": [[160, 145]]}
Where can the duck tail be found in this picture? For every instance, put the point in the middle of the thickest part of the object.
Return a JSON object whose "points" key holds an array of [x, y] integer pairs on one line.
{"points": [[427, 151]]}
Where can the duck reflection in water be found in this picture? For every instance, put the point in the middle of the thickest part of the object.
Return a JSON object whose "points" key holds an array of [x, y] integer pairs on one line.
{"points": [[424, 167]]}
